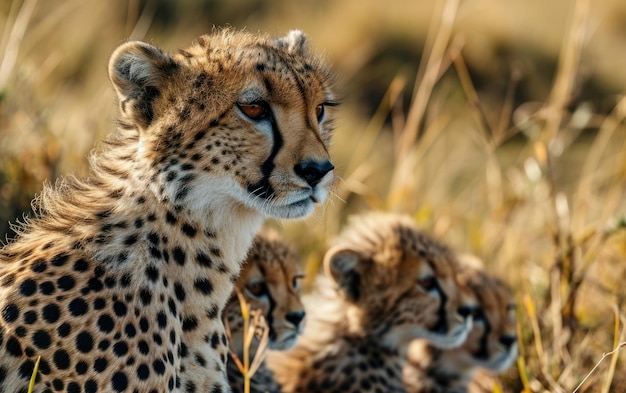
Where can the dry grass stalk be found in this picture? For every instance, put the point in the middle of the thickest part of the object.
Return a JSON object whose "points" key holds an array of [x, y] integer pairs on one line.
{"points": [[254, 326], [13, 36], [614, 357], [33, 377], [429, 72]]}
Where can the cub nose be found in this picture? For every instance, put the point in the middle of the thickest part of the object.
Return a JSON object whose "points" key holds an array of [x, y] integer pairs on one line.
{"points": [[508, 340], [295, 317], [313, 171]]}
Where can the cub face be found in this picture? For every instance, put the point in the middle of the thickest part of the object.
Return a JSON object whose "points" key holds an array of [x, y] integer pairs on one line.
{"points": [[269, 282], [403, 280], [248, 126], [492, 343]]}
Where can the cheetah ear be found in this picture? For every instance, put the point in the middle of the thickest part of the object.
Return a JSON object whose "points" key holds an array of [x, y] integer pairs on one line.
{"points": [[138, 71], [295, 42], [342, 265]]}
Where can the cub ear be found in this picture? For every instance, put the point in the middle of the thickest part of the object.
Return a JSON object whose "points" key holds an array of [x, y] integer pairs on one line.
{"points": [[469, 262], [295, 42], [342, 265], [138, 71]]}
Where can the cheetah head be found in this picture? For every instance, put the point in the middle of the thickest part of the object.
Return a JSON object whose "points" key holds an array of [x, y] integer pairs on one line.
{"points": [[492, 342], [235, 119], [400, 282]]}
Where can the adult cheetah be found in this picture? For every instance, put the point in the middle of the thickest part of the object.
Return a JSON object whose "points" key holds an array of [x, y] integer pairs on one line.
{"points": [[388, 284], [119, 280]]}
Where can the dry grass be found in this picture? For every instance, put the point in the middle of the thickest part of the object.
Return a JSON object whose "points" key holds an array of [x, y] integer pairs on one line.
{"points": [[255, 338], [499, 126]]}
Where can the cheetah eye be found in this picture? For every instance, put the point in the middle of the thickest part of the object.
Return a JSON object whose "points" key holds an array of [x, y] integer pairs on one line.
{"points": [[256, 110], [257, 289], [428, 283], [319, 112], [296, 281]]}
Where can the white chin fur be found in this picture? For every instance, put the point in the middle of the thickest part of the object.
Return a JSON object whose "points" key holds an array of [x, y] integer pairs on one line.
{"points": [[403, 335], [294, 210], [455, 338], [502, 362], [298, 205], [208, 191]]}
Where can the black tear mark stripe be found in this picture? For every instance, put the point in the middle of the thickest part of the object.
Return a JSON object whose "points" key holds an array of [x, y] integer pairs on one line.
{"points": [[263, 188], [442, 322]]}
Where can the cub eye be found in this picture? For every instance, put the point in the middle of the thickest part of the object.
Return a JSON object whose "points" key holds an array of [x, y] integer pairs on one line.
{"points": [[319, 111], [257, 289], [296, 281], [256, 110], [427, 283]]}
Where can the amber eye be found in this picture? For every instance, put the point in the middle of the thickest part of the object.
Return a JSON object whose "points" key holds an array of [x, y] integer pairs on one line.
{"points": [[319, 112], [427, 283], [256, 110], [257, 289]]}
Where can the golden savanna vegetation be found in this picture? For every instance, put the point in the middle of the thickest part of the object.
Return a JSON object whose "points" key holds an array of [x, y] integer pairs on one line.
{"points": [[498, 125]]}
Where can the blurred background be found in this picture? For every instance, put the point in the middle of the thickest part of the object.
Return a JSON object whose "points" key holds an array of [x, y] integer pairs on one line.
{"points": [[498, 125]]}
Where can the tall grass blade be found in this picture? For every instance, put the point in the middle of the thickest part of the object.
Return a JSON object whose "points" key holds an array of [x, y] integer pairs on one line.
{"points": [[33, 377]]}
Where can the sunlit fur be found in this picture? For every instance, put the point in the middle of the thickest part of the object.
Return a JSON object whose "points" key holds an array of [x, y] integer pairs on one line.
{"points": [[371, 305], [491, 345]]}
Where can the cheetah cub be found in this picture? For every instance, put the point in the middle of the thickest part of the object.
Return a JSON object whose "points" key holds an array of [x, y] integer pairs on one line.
{"points": [[269, 282], [387, 285], [491, 345], [119, 280]]}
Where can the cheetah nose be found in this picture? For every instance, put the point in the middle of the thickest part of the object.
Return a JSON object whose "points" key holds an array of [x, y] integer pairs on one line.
{"points": [[313, 171], [295, 317], [508, 340]]}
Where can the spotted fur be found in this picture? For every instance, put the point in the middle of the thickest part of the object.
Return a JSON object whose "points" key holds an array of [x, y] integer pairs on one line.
{"points": [[119, 280], [387, 284], [269, 282], [491, 345]]}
